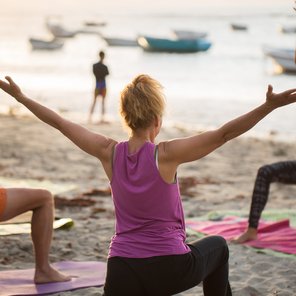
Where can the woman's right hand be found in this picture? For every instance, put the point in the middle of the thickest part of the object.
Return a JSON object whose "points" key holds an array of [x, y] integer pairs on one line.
{"points": [[11, 88]]}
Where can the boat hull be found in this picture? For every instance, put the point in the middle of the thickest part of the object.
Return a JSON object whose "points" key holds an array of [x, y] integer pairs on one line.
{"points": [[173, 45], [120, 42], [38, 44], [285, 58]]}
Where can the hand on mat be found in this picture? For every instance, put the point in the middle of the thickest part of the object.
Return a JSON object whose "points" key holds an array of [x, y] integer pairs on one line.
{"points": [[11, 88], [280, 99]]}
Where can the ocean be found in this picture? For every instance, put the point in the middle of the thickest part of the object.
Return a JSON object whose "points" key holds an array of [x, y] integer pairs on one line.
{"points": [[203, 90]]}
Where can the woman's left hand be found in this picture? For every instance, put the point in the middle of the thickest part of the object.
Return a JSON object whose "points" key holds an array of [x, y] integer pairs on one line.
{"points": [[281, 99]]}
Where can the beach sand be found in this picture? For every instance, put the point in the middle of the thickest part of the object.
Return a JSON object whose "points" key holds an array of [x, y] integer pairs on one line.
{"points": [[33, 152]]}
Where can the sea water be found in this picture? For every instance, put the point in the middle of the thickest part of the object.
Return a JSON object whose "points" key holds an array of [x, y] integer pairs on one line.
{"points": [[203, 90]]}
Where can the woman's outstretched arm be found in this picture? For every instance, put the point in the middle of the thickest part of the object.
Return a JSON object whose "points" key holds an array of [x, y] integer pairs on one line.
{"points": [[194, 147], [95, 144]]}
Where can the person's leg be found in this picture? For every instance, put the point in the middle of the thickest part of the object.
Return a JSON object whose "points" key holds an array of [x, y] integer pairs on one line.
{"points": [[212, 260], [121, 279], [282, 172], [41, 203], [93, 105], [103, 108]]}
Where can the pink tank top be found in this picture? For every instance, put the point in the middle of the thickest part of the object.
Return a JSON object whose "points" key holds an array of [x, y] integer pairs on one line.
{"points": [[148, 211]]}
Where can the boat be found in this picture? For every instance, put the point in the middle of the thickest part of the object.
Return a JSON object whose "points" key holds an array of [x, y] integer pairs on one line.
{"points": [[94, 24], [238, 27], [187, 34], [42, 44], [288, 29], [155, 44], [59, 31], [111, 41], [284, 57]]}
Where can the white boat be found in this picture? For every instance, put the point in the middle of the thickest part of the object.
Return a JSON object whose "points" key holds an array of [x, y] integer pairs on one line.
{"points": [[120, 41], [238, 27], [42, 44], [187, 34], [288, 29], [284, 57], [59, 31], [94, 23]]}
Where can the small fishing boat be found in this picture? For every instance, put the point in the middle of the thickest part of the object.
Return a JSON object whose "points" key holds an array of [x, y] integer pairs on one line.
{"points": [[112, 41], [288, 29], [41, 44], [238, 27], [173, 45], [91, 23], [284, 57], [59, 31], [188, 34]]}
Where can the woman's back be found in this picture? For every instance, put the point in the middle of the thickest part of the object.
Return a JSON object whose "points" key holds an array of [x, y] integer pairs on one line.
{"points": [[149, 214]]}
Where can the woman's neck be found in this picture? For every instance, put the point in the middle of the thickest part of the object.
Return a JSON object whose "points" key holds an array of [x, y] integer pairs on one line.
{"points": [[139, 138]]}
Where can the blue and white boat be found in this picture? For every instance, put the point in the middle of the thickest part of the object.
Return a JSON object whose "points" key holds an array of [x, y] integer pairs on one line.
{"points": [[173, 45]]}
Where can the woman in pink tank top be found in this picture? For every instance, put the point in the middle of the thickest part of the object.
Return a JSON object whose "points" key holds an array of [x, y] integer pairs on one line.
{"points": [[148, 253]]}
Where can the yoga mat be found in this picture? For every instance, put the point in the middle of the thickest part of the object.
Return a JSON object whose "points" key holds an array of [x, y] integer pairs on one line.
{"points": [[19, 228], [277, 236], [84, 274], [268, 215]]}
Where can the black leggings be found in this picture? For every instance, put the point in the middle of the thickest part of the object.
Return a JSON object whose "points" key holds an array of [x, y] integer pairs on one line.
{"points": [[282, 172], [168, 275]]}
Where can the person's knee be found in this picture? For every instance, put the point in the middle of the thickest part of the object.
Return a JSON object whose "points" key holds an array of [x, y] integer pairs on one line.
{"points": [[45, 196], [220, 240], [264, 171], [222, 243]]}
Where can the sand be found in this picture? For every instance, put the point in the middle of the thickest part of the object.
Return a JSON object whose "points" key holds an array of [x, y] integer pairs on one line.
{"points": [[35, 154]]}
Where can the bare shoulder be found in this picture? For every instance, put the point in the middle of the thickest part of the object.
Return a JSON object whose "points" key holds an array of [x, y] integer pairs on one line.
{"points": [[110, 145], [165, 150]]}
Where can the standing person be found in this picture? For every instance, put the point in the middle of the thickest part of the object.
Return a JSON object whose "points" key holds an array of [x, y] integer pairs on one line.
{"points": [[100, 71], [282, 172], [148, 254], [15, 201]]}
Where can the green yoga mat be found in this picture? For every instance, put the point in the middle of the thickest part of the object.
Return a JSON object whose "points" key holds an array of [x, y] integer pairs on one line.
{"points": [[268, 215], [19, 228]]}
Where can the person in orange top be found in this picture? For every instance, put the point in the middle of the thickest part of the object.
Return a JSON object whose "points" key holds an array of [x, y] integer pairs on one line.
{"points": [[15, 201]]}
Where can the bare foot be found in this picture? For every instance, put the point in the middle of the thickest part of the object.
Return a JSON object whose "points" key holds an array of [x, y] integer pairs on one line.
{"points": [[49, 276], [249, 234]]}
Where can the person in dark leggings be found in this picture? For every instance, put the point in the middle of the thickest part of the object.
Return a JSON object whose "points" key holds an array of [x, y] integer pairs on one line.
{"points": [[148, 253], [206, 262], [281, 172]]}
